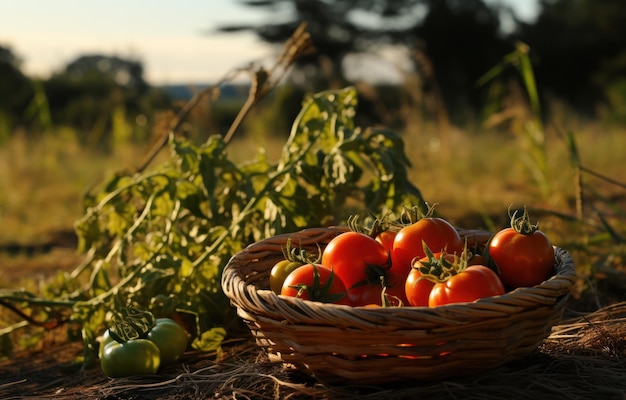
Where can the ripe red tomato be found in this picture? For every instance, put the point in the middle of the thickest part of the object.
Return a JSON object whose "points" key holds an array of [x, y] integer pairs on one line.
{"points": [[437, 233], [315, 282], [386, 238], [522, 259], [417, 288], [356, 258], [391, 284], [362, 295], [394, 284], [474, 282]]}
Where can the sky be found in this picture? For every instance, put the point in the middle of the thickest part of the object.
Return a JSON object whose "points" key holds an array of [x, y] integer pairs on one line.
{"points": [[175, 41]]}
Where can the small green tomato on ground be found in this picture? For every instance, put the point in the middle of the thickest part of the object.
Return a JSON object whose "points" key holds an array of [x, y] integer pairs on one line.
{"points": [[135, 357], [170, 338], [166, 341]]}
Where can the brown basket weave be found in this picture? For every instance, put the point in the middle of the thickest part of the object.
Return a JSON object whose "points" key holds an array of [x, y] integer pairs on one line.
{"points": [[378, 345]]}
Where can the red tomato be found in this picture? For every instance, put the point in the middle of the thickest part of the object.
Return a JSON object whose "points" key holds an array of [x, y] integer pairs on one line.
{"points": [[437, 233], [522, 259], [356, 258], [477, 259], [473, 283], [315, 282], [369, 293], [417, 288], [372, 293], [386, 238], [394, 283]]}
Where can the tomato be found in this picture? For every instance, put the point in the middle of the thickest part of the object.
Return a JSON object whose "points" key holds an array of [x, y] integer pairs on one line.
{"points": [[523, 254], [279, 273], [477, 259], [394, 286], [135, 357], [315, 282], [368, 293], [417, 288], [386, 238], [472, 283], [437, 233], [104, 340], [170, 338], [356, 258]]}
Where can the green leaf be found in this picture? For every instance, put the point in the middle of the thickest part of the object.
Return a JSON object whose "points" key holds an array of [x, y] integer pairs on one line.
{"points": [[210, 340]]}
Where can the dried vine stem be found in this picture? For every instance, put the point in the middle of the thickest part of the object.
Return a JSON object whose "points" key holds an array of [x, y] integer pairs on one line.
{"points": [[297, 46]]}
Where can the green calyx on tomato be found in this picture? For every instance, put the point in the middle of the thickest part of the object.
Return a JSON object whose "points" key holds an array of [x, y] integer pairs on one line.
{"points": [[441, 266], [521, 224], [130, 322]]}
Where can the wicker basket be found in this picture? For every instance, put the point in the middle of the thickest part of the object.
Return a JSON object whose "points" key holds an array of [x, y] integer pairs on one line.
{"points": [[378, 345]]}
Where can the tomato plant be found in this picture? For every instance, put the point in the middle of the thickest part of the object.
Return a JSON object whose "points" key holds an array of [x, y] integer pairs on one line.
{"points": [[134, 357], [436, 233], [315, 282], [523, 254], [159, 236], [170, 338], [473, 283]]}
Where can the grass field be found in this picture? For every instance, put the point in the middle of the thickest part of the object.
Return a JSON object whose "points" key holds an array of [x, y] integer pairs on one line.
{"points": [[473, 179], [42, 180]]}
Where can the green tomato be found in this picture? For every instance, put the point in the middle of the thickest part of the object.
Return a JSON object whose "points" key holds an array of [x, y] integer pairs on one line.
{"points": [[279, 273], [135, 357], [170, 338], [104, 341]]}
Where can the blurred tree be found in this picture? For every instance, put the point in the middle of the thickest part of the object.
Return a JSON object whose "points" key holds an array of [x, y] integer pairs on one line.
{"points": [[459, 40], [580, 48], [462, 40], [94, 91], [16, 89], [337, 28], [117, 71]]}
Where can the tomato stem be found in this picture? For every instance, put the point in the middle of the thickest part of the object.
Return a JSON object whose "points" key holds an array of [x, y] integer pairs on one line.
{"points": [[439, 269], [521, 224], [301, 255]]}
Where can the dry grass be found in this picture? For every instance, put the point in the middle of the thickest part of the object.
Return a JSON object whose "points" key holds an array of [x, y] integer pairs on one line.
{"points": [[582, 359], [482, 173], [42, 180]]}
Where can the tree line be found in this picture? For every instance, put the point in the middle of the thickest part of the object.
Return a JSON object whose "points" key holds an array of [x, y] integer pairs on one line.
{"points": [[578, 48]]}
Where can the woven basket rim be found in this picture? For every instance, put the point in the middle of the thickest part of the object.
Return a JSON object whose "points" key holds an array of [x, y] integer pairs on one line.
{"points": [[245, 295]]}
